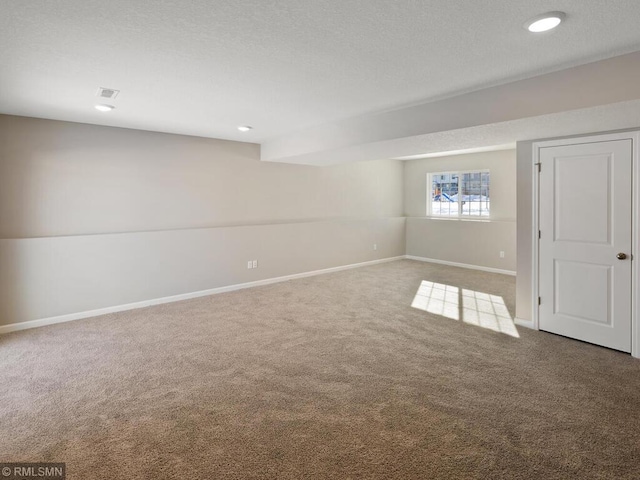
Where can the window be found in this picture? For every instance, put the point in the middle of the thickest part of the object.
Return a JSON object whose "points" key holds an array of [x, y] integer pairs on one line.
{"points": [[459, 194]]}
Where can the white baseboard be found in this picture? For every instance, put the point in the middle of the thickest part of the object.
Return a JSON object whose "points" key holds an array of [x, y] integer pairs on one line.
{"points": [[524, 323], [13, 327], [462, 265]]}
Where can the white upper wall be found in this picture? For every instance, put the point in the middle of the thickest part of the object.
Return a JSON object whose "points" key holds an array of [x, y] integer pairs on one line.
{"points": [[59, 178], [501, 164]]}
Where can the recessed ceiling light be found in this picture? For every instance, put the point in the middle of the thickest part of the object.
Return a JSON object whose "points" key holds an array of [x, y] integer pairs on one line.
{"points": [[545, 22], [104, 107], [245, 128]]}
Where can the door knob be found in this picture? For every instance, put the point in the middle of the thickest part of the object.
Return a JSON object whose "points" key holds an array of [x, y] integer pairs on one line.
{"points": [[621, 256]]}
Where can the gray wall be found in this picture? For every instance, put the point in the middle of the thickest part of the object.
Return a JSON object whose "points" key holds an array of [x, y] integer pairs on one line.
{"points": [[474, 242], [93, 217], [524, 287]]}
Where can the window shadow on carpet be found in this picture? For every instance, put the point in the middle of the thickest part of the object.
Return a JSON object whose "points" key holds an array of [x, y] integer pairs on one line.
{"points": [[469, 306]]}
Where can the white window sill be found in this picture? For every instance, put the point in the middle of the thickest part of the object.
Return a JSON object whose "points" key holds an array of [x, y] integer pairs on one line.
{"points": [[459, 219]]}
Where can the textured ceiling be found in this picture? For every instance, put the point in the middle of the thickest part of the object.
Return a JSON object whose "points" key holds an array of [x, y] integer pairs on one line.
{"points": [[202, 67]]}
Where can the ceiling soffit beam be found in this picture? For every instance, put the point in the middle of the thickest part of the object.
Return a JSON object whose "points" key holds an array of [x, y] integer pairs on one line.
{"points": [[604, 82]]}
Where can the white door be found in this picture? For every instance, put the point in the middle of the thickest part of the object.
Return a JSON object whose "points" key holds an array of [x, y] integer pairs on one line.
{"points": [[585, 242]]}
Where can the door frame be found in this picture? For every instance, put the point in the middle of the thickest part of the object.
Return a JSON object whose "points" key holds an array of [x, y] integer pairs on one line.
{"points": [[634, 136]]}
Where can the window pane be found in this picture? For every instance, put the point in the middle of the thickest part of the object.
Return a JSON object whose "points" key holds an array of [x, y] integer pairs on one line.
{"points": [[474, 188], [465, 193], [444, 191], [484, 210]]}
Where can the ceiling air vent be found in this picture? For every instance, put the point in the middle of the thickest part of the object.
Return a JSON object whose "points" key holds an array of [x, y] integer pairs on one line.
{"points": [[107, 93]]}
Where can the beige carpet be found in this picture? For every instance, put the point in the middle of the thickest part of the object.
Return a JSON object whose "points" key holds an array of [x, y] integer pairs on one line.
{"points": [[334, 376]]}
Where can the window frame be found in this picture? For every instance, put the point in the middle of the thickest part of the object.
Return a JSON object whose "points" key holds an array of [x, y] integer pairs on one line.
{"points": [[460, 215]]}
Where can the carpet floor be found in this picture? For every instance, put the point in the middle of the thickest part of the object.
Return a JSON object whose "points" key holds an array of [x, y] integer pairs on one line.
{"points": [[403, 370]]}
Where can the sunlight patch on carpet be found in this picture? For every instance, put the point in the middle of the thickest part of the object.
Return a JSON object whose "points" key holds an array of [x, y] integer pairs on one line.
{"points": [[472, 307]]}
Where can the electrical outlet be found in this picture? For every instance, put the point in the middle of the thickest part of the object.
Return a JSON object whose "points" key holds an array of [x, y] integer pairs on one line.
{"points": [[375, 246], [255, 264], [249, 264], [501, 254]]}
